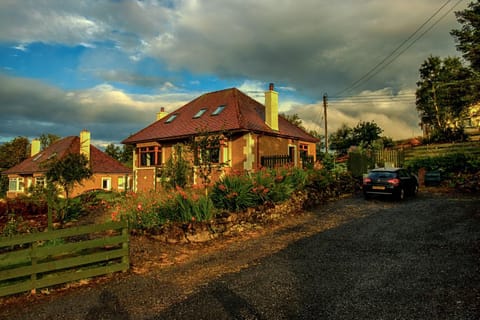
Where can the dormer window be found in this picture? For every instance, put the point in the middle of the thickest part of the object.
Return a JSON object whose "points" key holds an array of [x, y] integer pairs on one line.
{"points": [[200, 113], [171, 118], [218, 110]]}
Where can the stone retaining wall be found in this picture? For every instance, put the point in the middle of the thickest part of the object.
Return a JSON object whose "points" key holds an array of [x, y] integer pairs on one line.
{"points": [[231, 223]]}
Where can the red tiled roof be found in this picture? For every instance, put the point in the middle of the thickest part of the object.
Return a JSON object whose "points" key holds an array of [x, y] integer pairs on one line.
{"points": [[241, 113], [99, 161]]}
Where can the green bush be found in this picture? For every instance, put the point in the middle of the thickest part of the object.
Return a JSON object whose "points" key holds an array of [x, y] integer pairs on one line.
{"points": [[150, 210], [450, 163], [234, 193]]}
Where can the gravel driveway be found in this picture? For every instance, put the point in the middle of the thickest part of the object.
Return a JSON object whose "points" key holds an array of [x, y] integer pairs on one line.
{"points": [[351, 259]]}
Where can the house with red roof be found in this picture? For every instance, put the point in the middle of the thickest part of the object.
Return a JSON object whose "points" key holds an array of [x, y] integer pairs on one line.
{"points": [[108, 173], [249, 131]]}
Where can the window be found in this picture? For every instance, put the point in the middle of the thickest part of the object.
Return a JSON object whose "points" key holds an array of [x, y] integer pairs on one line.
{"points": [[150, 156], [200, 113], [121, 183], [16, 184], [207, 155], [107, 184], [218, 110], [40, 182], [38, 156], [171, 118]]}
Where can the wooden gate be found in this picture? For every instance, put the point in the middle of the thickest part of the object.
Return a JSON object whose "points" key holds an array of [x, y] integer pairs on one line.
{"points": [[43, 259]]}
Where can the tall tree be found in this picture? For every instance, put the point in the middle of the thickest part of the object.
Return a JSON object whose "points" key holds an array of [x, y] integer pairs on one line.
{"points": [[365, 133], [126, 156], [468, 37], [14, 152], [293, 119], [46, 139], [341, 140], [113, 151], [468, 43], [443, 94], [11, 154]]}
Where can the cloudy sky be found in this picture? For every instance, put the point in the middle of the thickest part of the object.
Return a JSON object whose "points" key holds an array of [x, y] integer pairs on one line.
{"points": [[109, 66]]}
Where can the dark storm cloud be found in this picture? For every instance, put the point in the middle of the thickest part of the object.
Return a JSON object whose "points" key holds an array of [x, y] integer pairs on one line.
{"points": [[30, 108]]}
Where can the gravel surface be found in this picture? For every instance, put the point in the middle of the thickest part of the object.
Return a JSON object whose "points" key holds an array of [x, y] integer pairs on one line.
{"points": [[351, 259]]}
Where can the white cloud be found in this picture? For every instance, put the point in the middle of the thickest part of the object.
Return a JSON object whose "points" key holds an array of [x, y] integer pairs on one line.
{"points": [[30, 108]]}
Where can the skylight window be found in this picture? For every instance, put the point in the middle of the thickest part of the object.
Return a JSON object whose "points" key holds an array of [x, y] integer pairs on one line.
{"points": [[200, 113], [218, 110], [38, 156], [171, 118]]}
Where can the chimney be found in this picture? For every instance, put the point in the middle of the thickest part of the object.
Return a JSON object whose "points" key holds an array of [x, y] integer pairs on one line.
{"points": [[271, 108], [161, 114], [85, 143], [35, 147]]}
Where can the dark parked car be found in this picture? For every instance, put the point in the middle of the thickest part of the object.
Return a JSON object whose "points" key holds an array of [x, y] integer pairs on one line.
{"points": [[396, 182]]}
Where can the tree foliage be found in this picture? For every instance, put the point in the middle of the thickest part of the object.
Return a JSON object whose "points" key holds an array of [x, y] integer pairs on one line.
{"points": [[123, 154], [293, 119], [176, 171], [341, 139], [443, 94], [11, 154], [14, 152], [468, 37], [113, 151], [364, 134], [46, 139], [447, 87], [67, 171]]}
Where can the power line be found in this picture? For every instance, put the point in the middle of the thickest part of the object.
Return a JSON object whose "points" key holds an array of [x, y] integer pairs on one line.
{"points": [[395, 53]]}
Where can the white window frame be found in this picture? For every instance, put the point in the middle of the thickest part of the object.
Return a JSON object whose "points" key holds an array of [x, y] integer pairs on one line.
{"points": [[19, 184], [108, 180], [121, 183]]}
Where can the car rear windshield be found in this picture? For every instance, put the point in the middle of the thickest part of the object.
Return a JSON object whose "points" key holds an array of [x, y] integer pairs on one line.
{"points": [[381, 175]]}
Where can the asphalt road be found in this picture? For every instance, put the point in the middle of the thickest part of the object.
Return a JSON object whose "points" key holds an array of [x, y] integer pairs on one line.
{"points": [[352, 259], [418, 259]]}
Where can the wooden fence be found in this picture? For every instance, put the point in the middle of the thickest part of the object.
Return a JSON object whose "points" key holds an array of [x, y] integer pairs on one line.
{"points": [[44, 259], [434, 150], [275, 161], [360, 162], [283, 160]]}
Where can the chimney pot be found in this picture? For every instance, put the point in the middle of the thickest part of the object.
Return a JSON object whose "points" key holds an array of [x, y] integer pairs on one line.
{"points": [[271, 86], [161, 114]]}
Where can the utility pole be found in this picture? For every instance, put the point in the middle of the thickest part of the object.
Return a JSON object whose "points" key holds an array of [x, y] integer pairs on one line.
{"points": [[325, 117]]}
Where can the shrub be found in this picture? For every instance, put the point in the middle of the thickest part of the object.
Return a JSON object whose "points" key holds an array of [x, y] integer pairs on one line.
{"points": [[150, 210], [23, 206], [234, 193], [14, 225], [456, 162]]}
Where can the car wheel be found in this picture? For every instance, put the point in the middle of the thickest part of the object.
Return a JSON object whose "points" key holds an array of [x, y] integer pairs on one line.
{"points": [[415, 190], [401, 194]]}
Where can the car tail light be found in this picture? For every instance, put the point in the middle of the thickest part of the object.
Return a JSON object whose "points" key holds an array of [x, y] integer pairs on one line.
{"points": [[395, 181], [367, 180]]}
